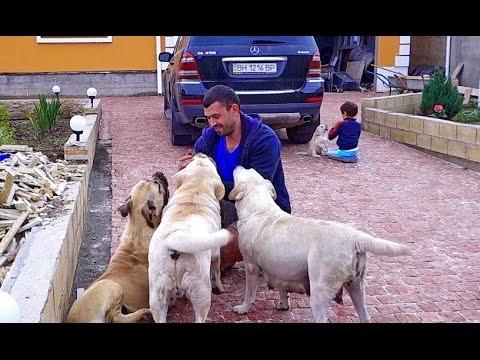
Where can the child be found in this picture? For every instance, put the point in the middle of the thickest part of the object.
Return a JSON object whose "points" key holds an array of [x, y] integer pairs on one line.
{"points": [[348, 132]]}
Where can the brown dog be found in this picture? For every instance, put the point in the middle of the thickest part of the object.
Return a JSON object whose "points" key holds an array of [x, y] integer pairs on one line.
{"points": [[125, 282]]}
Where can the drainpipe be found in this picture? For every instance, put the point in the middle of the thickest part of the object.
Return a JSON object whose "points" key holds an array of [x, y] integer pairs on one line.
{"points": [[159, 65], [376, 63], [447, 56]]}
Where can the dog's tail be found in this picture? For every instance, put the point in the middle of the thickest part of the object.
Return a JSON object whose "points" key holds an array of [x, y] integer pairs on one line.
{"points": [[379, 246], [185, 242]]}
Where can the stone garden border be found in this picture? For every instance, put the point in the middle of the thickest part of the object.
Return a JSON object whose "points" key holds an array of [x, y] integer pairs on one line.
{"points": [[398, 118]]}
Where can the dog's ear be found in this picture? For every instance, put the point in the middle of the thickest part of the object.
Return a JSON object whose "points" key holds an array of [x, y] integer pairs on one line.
{"points": [[219, 190], [272, 189], [148, 212], [126, 207], [237, 192], [178, 178], [162, 181]]}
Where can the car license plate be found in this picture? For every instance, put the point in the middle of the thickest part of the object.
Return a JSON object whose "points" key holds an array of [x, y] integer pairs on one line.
{"points": [[254, 68]]}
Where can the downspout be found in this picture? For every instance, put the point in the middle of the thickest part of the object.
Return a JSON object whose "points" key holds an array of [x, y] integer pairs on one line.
{"points": [[376, 63], [159, 65], [447, 56]]}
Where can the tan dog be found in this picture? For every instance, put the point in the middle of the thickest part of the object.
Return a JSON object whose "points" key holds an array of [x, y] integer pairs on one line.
{"points": [[297, 254], [319, 143], [125, 282], [189, 236]]}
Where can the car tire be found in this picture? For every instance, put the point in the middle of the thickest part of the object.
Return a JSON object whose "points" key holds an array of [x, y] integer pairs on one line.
{"points": [[302, 134], [178, 139]]}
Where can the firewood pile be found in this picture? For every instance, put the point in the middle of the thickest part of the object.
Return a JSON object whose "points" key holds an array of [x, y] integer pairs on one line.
{"points": [[29, 184]]}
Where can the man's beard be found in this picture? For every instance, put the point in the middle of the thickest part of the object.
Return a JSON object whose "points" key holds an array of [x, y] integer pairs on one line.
{"points": [[224, 131]]}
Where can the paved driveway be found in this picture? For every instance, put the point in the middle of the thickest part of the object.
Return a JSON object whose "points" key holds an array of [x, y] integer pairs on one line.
{"points": [[394, 192]]}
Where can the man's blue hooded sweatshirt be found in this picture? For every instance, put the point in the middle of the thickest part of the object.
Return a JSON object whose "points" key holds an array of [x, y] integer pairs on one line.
{"points": [[259, 149]]}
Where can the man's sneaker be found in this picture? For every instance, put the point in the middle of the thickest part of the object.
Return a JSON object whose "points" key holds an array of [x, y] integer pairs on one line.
{"points": [[349, 159]]}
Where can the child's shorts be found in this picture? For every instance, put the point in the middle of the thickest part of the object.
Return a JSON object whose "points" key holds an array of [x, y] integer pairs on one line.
{"points": [[348, 156]]}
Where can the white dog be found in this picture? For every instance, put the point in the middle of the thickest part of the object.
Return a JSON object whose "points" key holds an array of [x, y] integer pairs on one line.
{"points": [[181, 248], [297, 254], [319, 143]]}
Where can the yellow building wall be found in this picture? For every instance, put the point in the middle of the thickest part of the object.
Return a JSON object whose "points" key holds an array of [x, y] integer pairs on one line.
{"points": [[20, 54], [388, 48]]}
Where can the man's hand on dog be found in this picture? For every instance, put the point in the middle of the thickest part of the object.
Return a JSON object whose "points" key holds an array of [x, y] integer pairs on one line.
{"points": [[185, 159]]}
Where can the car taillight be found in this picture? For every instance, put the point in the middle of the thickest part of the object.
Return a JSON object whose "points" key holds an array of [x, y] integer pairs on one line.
{"points": [[188, 67], [191, 101], [315, 67], [315, 99]]}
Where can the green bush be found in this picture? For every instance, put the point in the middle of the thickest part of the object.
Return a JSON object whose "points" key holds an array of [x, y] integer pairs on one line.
{"points": [[44, 116], [6, 130], [440, 98], [470, 113]]}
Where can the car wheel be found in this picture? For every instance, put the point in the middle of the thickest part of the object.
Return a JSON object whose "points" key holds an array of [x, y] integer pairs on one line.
{"points": [[302, 134]]}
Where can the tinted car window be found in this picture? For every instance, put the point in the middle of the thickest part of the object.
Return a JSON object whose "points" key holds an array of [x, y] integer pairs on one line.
{"points": [[249, 40]]}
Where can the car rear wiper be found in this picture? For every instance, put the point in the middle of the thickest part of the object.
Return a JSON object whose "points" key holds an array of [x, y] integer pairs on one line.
{"points": [[267, 42]]}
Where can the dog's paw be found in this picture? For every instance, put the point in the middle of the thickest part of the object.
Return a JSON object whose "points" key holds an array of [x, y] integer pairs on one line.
{"points": [[218, 289], [282, 305], [146, 316], [240, 309]]}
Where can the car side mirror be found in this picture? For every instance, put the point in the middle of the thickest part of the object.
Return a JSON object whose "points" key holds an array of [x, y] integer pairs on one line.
{"points": [[165, 56]]}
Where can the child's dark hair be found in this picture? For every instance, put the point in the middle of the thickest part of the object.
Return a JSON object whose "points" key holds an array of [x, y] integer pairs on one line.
{"points": [[223, 94], [350, 108]]}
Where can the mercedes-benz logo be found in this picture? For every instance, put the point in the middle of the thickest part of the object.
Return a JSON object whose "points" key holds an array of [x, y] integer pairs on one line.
{"points": [[254, 50]]}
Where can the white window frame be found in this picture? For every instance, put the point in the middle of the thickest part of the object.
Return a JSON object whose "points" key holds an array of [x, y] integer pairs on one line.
{"points": [[62, 40]]}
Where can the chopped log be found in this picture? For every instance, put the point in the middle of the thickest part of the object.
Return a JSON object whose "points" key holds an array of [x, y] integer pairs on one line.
{"points": [[36, 221], [35, 160], [15, 148], [19, 155], [7, 216], [13, 230], [7, 188]]}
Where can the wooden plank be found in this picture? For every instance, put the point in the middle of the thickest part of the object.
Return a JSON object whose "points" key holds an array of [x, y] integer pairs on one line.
{"points": [[23, 194], [457, 71], [474, 92], [36, 221], [15, 148], [7, 189], [42, 174], [25, 170], [11, 233], [466, 96], [35, 160], [12, 212], [6, 223], [355, 70], [22, 205], [7, 216]]}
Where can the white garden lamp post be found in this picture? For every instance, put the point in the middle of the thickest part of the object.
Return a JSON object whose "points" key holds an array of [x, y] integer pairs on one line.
{"points": [[92, 93], [56, 90], [9, 309], [77, 124]]}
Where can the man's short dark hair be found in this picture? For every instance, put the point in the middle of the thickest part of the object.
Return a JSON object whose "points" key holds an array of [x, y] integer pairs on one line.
{"points": [[350, 108], [223, 94]]}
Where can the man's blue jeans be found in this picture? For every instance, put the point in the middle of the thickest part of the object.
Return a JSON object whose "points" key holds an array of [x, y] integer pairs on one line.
{"points": [[344, 155]]}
